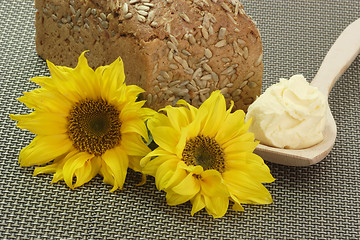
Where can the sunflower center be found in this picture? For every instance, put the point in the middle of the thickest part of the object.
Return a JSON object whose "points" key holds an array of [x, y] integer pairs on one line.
{"points": [[94, 126], [204, 151]]}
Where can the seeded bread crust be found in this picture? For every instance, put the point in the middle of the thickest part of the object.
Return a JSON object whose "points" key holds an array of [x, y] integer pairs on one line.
{"points": [[174, 49]]}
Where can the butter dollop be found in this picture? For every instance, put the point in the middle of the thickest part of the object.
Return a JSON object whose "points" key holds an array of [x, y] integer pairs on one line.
{"points": [[289, 114]]}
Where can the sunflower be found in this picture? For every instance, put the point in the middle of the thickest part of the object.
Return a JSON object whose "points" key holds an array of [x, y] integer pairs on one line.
{"points": [[86, 123], [206, 156]]}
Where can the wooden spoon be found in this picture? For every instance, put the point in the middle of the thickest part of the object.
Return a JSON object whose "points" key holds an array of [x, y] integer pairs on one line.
{"points": [[340, 56]]}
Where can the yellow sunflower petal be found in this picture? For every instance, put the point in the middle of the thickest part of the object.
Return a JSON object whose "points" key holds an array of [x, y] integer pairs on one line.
{"points": [[190, 185], [61, 84], [216, 107], [198, 203], [88, 171], [212, 184], [164, 173], [44, 149], [108, 175], [135, 126], [191, 112], [236, 145], [166, 141], [246, 188], [251, 164], [42, 123], [134, 145], [42, 99], [117, 160], [231, 127], [72, 164], [216, 206], [238, 207], [179, 174], [173, 198], [148, 158], [51, 168], [178, 117]]}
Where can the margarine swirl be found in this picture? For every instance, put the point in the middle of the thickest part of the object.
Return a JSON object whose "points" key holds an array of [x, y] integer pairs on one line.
{"points": [[289, 114]]}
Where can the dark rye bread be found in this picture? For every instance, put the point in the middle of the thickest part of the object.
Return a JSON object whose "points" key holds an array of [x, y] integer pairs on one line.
{"points": [[172, 48]]}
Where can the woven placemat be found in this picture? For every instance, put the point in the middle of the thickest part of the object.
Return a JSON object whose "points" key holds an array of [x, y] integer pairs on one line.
{"points": [[317, 202]]}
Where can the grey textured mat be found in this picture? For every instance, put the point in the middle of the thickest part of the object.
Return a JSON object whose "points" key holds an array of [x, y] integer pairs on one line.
{"points": [[317, 202]]}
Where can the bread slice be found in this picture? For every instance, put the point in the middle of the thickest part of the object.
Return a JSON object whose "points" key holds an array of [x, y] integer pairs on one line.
{"points": [[174, 49]]}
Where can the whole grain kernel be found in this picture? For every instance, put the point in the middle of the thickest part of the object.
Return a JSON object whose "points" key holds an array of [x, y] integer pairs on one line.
{"points": [[156, 89], [237, 6], [224, 90], [185, 52], [128, 16], [171, 55], [149, 4], [151, 16], [236, 98], [228, 71], [243, 84], [189, 71], [154, 24], [202, 97], [192, 39], [224, 83], [229, 85], [149, 99], [173, 83], [171, 45], [222, 33], [102, 16], [88, 12], [208, 53], [206, 77], [214, 77], [174, 40], [141, 18], [249, 75], [258, 61], [184, 83], [237, 92], [220, 43], [142, 13], [248, 101], [197, 73], [211, 30], [173, 66], [205, 33], [72, 10], [125, 9], [246, 53], [207, 68], [143, 8], [252, 84], [241, 42], [191, 87], [185, 17], [165, 75], [105, 24], [225, 7]]}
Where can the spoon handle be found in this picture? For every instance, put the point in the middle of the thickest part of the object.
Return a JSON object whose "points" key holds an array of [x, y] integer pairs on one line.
{"points": [[338, 59]]}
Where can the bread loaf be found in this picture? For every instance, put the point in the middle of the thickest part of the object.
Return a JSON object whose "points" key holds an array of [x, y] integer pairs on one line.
{"points": [[174, 49]]}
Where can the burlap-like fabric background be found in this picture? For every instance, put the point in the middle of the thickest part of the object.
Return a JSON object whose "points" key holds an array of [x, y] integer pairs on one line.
{"points": [[317, 202]]}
